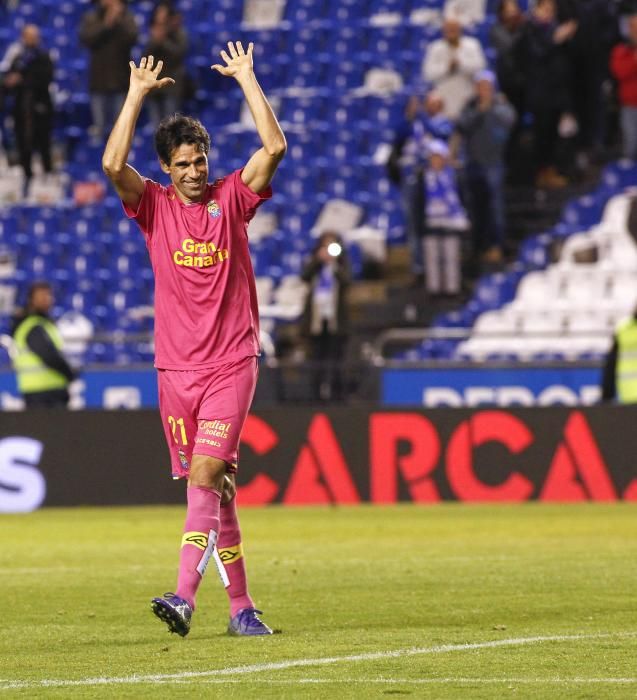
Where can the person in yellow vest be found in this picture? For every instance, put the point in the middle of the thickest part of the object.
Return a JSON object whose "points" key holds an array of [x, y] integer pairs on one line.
{"points": [[619, 378], [43, 374]]}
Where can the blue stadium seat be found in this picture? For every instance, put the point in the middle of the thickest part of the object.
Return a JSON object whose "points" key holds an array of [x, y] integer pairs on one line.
{"points": [[37, 266], [343, 11], [84, 301], [344, 39], [386, 113], [534, 251], [306, 41], [384, 41], [303, 110], [302, 11], [345, 147], [402, 7], [586, 210], [350, 74], [492, 291], [620, 174], [100, 354], [309, 73], [105, 317]]}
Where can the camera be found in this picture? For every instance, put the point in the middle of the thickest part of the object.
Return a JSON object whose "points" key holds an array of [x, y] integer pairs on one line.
{"points": [[334, 249]]}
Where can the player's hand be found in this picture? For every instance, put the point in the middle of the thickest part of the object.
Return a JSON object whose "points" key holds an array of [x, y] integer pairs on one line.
{"points": [[146, 77], [238, 63]]}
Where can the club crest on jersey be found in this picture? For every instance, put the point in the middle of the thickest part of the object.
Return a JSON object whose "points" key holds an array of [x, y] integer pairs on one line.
{"points": [[214, 209]]}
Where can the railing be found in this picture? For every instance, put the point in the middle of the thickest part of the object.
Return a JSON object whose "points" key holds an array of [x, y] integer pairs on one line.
{"points": [[380, 353], [410, 336]]}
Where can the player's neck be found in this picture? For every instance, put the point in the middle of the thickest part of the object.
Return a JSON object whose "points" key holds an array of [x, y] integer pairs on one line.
{"points": [[186, 200]]}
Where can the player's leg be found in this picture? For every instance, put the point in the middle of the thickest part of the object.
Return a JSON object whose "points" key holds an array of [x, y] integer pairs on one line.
{"points": [[230, 550], [179, 396], [244, 617], [201, 528], [198, 542], [221, 417]]}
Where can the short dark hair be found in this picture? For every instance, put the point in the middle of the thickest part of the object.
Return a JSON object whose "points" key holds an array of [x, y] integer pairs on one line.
{"points": [[177, 129]]}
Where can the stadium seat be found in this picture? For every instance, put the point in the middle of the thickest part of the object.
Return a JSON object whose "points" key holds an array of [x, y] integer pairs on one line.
{"points": [[301, 11], [348, 11], [400, 7], [350, 74]]}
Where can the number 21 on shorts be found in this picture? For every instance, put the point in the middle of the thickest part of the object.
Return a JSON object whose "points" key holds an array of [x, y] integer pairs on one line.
{"points": [[173, 423]]}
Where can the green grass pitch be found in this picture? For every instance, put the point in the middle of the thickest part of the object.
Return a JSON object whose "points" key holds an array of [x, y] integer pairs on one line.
{"points": [[445, 601]]}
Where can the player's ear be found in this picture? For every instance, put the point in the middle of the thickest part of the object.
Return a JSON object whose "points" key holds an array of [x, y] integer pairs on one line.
{"points": [[164, 166]]}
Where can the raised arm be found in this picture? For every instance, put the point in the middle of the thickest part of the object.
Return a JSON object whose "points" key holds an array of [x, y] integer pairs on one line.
{"points": [[260, 169], [126, 180]]}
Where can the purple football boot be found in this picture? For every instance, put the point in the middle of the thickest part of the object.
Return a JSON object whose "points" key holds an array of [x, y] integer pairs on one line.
{"points": [[174, 611], [246, 623]]}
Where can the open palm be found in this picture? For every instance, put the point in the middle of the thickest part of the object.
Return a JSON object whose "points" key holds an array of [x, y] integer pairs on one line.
{"points": [[146, 77], [238, 63]]}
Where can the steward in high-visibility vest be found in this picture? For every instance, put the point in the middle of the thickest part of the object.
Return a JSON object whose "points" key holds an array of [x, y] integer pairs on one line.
{"points": [[620, 371], [43, 374]]}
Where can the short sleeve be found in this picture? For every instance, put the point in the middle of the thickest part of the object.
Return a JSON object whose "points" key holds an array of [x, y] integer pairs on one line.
{"points": [[145, 213], [243, 198]]}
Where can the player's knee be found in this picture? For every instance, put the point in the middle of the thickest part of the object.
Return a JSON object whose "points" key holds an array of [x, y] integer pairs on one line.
{"points": [[207, 472]]}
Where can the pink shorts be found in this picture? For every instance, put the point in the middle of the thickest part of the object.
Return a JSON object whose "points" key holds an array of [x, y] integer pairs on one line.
{"points": [[203, 411]]}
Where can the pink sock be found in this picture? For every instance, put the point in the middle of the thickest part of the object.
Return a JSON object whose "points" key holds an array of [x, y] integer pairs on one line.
{"points": [[231, 554], [197, 544]]}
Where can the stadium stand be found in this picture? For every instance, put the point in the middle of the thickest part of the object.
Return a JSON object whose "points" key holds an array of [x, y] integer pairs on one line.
{"points": [[338, 72], [560, 310]]}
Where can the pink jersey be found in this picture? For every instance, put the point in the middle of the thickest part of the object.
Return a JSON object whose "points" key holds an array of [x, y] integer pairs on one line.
{"points": [[206, 308]]}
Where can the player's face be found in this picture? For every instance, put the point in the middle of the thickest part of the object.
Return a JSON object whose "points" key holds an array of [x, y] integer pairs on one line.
{"points": [[188, 170]]}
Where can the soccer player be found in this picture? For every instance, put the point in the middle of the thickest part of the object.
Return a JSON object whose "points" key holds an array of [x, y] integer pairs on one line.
{"points": [[206, 319]]}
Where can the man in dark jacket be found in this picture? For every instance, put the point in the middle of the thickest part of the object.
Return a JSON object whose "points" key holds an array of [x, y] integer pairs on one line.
{"points": [[109, 32], [43, 374], [597, 32], [27, 81], [545, 57], [325, 321]]}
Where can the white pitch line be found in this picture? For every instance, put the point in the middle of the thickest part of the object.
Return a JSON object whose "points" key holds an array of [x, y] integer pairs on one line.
{"points": [[299, 663]]}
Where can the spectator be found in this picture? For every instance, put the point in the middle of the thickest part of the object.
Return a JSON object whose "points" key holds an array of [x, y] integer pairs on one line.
{"points": [[424, 121], [450, 64], [168, 42], [484, 125], [110, 32], [547, 65], [325, 319], [505, 34], [43, 374], [445, 219], [619, 376], [597, 32], [28, 76], [624, 68]]}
